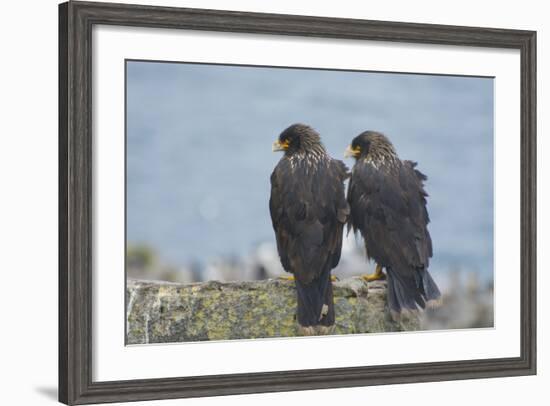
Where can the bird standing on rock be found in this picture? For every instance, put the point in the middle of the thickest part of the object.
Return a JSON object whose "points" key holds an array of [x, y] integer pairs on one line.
{"points": [[388, 207], [308, 211]]}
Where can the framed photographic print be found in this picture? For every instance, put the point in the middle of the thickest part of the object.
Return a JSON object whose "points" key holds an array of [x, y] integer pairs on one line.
{"points": [[258, 202]]}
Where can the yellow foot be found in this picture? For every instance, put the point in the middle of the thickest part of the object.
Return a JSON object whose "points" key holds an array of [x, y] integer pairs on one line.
{"points": [[377, 275], [334, 278], [373, 277]]}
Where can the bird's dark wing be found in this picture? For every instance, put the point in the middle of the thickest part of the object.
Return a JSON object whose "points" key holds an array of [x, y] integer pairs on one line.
{"points": [[279, 213], [389, 208], [308, 210]]}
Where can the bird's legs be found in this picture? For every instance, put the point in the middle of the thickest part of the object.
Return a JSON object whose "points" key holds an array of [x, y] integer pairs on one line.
{"points": [[377, 275], [292, 278]]}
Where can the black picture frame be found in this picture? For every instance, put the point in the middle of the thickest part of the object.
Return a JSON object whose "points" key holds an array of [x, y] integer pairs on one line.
{"points": [[76, 20]]}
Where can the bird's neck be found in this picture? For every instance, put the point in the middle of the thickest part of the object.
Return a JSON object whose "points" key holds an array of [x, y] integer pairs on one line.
{"points": [[315, 151], [384, 157], [308, 160]]}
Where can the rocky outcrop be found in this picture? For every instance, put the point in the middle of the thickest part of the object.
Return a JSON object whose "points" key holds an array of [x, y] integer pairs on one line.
{"points": [[161, 312]]}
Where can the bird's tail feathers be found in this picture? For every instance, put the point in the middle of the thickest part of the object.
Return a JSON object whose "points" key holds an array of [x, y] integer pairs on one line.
{"points": [[315, 303], [408, 296], [431, 291]]}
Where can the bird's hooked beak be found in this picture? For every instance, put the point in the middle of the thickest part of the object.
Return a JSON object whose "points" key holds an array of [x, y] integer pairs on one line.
{"points": [[351, 152], [280, 146]]}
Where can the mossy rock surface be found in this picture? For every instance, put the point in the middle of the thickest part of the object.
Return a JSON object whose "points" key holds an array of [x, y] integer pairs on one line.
{"points": [[162, 312]]}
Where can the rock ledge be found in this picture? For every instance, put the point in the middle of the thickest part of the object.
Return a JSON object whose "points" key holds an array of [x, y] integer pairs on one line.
{"points": [[162, 312]]}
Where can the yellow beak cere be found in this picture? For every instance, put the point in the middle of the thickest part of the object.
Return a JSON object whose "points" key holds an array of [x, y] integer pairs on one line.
{"points": [[280, 146], [351, 153]]}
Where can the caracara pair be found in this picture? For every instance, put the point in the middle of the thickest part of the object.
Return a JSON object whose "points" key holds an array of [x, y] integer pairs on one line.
{"points": [[386, 203]]}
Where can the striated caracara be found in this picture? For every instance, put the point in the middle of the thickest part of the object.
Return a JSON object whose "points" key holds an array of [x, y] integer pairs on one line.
{"points": [[308, 211], [388, 207]]}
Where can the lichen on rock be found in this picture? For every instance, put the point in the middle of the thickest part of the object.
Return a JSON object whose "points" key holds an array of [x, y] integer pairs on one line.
{"points": [[162, 312]]}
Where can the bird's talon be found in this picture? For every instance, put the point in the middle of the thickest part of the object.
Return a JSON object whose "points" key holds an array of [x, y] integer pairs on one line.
{"points": [[373, 277], [376, 276], [287, 278]]}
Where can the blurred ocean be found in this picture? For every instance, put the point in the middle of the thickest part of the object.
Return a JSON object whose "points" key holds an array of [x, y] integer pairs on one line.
{"points": [[199, 152]]}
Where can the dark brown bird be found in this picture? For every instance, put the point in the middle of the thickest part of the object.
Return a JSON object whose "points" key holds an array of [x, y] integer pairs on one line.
{"points": [[308, 210], [388, 207]]}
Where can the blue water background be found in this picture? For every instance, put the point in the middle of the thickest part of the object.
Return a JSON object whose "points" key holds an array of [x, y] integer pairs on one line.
{"points": [[199, 151]]}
